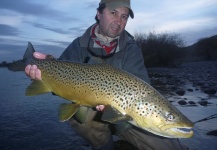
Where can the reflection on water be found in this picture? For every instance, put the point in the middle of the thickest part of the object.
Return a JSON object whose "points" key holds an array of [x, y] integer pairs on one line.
{"points": [[32, 122]]}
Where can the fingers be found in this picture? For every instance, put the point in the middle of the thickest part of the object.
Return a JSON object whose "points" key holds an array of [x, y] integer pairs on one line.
{"points": [[27, 69], [33, 72], [38, 74], [100, 107], [39, 55]]}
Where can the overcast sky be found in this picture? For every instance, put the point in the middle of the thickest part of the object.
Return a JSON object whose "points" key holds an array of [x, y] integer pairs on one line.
{"points": [[50, 25]]}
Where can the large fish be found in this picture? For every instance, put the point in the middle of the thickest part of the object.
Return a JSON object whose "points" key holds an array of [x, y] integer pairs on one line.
{"points": [[125, 96]]}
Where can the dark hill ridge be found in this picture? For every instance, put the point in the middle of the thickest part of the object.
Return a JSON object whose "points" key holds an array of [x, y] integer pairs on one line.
{"points": [[167, 50], [204, 50]]}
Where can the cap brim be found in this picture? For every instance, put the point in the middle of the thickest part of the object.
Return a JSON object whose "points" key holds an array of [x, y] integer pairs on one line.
{"points": [[131, 13]]}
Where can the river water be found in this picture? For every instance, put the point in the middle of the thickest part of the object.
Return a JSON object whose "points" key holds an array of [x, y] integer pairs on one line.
{"points": [[32, 122]]}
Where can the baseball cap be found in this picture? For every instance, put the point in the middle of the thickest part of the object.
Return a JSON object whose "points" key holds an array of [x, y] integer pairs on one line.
{"points": [[113, 4]]}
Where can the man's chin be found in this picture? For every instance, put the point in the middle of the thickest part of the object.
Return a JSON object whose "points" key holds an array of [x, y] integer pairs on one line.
{"points": [[114, 35]]}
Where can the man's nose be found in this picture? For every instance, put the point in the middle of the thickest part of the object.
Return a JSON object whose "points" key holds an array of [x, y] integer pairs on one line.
{"points": [[118, 20]]}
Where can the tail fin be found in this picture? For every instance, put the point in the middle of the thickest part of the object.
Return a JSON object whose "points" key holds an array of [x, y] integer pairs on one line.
{"points": [[29, 52], [20, 65]]}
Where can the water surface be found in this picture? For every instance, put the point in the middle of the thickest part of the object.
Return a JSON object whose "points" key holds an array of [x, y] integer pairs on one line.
{"points": [[32, 122]]}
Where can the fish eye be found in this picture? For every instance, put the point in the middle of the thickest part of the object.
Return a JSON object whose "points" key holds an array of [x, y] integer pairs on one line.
{"points": [[170, 117]]}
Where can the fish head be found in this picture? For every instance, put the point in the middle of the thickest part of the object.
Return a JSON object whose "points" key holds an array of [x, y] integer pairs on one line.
{"points": [[160, 117]]}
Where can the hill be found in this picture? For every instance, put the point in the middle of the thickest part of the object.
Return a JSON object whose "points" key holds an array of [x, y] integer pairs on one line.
{"points": [[204, 50]]}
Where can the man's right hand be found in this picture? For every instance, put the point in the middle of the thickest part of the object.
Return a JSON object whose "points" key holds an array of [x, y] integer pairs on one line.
{"points": [[31, 70]]}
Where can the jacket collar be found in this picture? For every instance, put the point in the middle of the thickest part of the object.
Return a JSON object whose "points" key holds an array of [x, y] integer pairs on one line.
{"points": [[125, 37]]}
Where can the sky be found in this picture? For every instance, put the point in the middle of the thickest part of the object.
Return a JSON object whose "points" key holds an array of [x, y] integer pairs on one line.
{"points": [[51, 25]]}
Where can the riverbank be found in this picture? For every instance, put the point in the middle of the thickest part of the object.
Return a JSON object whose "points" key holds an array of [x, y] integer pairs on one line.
{"points": [[192, 89]]}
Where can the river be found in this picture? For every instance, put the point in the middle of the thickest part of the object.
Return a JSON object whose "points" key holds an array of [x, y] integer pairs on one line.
{"points": [[32, 122]]}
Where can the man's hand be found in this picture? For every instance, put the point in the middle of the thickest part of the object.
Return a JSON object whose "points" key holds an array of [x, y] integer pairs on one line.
{"points": [[100, 107], [32, 70]]}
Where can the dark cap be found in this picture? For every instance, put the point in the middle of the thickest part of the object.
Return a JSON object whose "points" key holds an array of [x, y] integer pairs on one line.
{"points": [[113, 4]]}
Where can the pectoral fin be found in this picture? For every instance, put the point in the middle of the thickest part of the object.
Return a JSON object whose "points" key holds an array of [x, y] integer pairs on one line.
{"points": [[112, 115], [66, 111], [37, 87]]}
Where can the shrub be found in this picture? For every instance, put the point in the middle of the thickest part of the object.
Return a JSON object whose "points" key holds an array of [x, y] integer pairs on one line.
{"points": [[161, 49]]}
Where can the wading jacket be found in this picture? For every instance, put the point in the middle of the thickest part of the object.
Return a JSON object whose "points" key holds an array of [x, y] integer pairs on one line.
{"points": [[128, 55]]}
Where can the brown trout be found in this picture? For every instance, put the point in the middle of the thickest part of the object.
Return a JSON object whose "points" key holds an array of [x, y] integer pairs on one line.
{"points": [[122, 93]]}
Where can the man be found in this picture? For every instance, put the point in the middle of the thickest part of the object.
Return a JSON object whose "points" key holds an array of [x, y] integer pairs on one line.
{"points": [[107, 41]]}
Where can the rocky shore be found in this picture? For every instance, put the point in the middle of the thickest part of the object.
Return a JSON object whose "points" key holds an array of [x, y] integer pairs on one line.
{"points": [[191, 78], [192, 88]]}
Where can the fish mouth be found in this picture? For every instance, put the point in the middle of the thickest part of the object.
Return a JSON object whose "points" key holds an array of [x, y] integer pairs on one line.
{"points": [[178, 130], [182, 132]]}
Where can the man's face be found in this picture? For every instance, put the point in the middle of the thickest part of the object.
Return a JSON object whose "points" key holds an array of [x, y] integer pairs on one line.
{"points": [[112, 23]]}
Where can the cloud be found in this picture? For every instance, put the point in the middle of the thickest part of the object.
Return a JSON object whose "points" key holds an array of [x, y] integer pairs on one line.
{"points": [[11, 50], [53, 24], [92, 4], [183, 25], [6, 30], [26, 7], [182, 17], [57, 30], [10, 20], [54, 50], [62, 44], [78, 30]]}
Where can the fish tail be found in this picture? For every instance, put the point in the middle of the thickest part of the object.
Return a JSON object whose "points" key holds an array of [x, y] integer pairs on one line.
{"points": [[28, 55]]}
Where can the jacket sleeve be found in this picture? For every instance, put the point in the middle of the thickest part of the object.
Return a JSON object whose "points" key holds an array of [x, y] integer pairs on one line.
{"points": [[134, 62]]}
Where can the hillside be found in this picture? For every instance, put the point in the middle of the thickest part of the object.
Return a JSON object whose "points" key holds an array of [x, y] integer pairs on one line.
{"points": [[168, 49], [204, 50]]}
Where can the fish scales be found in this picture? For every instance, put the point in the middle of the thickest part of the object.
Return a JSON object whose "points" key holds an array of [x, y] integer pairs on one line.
{"points": [[109, 84]]}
